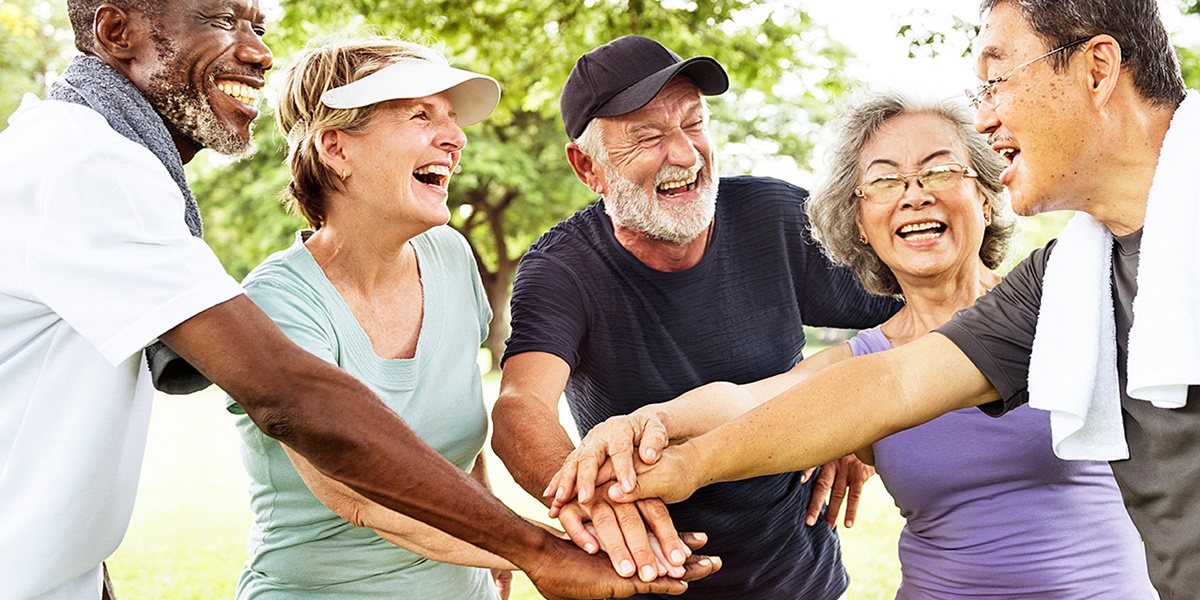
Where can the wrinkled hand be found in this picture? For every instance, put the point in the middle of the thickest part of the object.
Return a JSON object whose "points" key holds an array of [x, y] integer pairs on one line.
{"points": [[842, 479], [620, 440], [629, 533], [503, 580], [564, 572], [672, 478]]}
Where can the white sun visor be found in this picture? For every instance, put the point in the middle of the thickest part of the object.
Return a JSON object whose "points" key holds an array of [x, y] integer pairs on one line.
{"points": [[473, 96]]}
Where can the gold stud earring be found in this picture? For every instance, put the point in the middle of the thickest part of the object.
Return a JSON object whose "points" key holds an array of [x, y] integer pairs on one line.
{"points": [[862, 238], [344, 174], [987, 214]]}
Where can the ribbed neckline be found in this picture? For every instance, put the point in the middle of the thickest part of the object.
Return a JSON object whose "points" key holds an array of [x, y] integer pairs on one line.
{"points": [[400, 371]]}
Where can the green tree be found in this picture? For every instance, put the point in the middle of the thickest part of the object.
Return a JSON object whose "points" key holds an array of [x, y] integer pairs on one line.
{"points": [[34, 43], [515, 181]]}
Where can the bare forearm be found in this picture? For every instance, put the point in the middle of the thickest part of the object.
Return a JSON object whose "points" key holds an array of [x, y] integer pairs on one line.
{"points": [[288, 393], [530, 441], [847, 407], [709, 406]]}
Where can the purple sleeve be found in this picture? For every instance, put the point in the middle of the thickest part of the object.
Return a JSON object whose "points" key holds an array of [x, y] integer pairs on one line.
{"points": [[548, 308], [869, 341]]}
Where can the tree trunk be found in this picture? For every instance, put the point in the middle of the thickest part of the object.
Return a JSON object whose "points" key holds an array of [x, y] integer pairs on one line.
{"points": [[499, 290]]}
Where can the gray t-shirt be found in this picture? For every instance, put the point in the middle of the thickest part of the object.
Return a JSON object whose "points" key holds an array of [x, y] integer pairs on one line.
{"points": [[1160, 480]]}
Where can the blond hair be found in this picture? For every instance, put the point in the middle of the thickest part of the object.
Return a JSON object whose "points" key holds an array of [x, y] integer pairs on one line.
{"points": [[303, 118]]}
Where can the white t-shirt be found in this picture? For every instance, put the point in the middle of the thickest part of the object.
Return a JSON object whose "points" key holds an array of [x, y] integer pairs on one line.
{"points": [[95, 263]]}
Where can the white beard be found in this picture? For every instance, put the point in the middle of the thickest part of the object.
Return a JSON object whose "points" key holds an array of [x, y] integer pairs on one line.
{"points": [[632, 206]]}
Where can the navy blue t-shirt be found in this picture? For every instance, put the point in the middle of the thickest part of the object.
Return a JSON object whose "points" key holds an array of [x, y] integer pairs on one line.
{"points": [[634, 336]]}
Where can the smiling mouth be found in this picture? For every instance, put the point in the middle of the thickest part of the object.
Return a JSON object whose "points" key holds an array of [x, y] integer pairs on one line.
{"points": [[922, 231], [1009, 154], [671, 189], [239, 91], [434, 175]]}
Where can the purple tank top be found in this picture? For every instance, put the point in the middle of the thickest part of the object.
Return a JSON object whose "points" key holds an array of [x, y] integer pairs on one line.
{"points": [[992, 513]]}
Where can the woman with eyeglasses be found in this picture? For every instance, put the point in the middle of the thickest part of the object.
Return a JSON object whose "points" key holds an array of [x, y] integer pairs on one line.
{"points": [[912, 204]]}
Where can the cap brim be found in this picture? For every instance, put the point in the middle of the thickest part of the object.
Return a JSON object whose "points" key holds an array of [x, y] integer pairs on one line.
{"points": [[473, 96], [706, 72]]}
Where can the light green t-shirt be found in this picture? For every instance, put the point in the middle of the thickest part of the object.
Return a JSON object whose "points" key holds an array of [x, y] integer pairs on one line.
{"points": [[299, 548]]}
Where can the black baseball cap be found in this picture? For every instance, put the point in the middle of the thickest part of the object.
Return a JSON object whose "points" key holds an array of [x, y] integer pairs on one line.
{"points": [[625, 75]]}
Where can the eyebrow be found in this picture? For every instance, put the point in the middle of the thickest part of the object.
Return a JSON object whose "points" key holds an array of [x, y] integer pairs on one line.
{"points": [[892, 163], [694, 109]]}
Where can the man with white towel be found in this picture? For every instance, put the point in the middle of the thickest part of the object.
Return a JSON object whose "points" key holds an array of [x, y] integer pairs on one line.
{"points": [[1085, 100]]}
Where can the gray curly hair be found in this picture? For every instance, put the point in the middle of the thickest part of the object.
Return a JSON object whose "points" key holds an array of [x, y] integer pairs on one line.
{"points": [[833, 206]]}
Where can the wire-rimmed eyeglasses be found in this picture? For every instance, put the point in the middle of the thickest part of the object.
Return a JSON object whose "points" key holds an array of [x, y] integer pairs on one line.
{"points": [[984, 93], [886, 189]]}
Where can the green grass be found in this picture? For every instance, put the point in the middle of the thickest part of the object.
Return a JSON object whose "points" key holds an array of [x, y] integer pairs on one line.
{"points": [[187, 537]]}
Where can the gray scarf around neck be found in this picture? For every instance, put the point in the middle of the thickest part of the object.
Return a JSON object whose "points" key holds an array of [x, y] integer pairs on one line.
{"points": [[93, 83]]}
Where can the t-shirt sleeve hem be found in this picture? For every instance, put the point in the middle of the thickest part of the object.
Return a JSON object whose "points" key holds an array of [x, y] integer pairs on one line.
{"points": [[185, 305], [1011, 395]]}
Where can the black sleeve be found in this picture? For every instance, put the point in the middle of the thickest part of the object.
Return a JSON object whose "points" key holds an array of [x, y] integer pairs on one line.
{"points": [[548, 309], [832, 295], [997, 332]]}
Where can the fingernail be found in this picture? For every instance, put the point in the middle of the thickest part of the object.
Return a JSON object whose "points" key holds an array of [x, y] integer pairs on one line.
{"points": [[648, 573], [627, 486], [849, 522], [716, 560], [590, 548], [626, 569], [810, 521], [803, 478], [703, 562], [546, 494], [703, 537], [651, 454], [677, 557]]}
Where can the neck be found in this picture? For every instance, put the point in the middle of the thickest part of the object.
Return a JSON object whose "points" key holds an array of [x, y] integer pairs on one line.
{"points": [[931, 302], [1121, 177], [660, 255], [363, 253]]}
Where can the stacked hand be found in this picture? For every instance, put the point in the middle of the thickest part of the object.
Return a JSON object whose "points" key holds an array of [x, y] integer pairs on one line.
{"points": [[631, 459]]}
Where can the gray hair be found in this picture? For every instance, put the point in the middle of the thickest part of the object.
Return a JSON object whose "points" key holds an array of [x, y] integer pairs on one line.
{"points": [[1136, 25], [591, 141], [833, 206]]}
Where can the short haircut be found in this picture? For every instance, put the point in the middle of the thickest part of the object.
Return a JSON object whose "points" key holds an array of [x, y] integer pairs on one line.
{"points": [[1136, 25], [303, 118], [83, 16], [833, 205]]}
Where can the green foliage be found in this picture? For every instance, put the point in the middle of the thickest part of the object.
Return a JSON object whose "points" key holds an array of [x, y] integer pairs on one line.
{"points": [[241, 202], [34, 40], [516, 182]]}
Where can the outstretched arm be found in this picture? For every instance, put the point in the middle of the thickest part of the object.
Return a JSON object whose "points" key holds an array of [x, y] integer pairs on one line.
{"points": [[287, 392], [392, 526], [530, 440], [648, 430], [845, 407]]}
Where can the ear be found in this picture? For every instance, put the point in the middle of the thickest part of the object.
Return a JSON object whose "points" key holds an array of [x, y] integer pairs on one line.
{"points": [[1102, 61], [331, 149], [117, 34], [862, 233], [586, 168]]}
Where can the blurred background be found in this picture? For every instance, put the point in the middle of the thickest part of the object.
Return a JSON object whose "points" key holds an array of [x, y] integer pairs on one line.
{"points": [[789, 62]]}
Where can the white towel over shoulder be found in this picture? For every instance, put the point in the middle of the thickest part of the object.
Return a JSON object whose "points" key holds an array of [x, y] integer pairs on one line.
{"points": [[1073, 368]]}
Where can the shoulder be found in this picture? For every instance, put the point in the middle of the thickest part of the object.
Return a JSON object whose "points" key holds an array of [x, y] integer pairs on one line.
{"points": [[284, 273], [764, 190], [74, 133], [573, 234]]}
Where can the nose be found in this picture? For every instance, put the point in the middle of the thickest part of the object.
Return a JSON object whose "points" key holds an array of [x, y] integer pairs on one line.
{"points": [[253, 51], [916, 196], [450, 136], [680, 150], [986, 119]]}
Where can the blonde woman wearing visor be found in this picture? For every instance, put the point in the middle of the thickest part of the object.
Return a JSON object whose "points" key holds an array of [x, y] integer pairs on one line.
{"points": [[383, 288], [912, 204]]}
